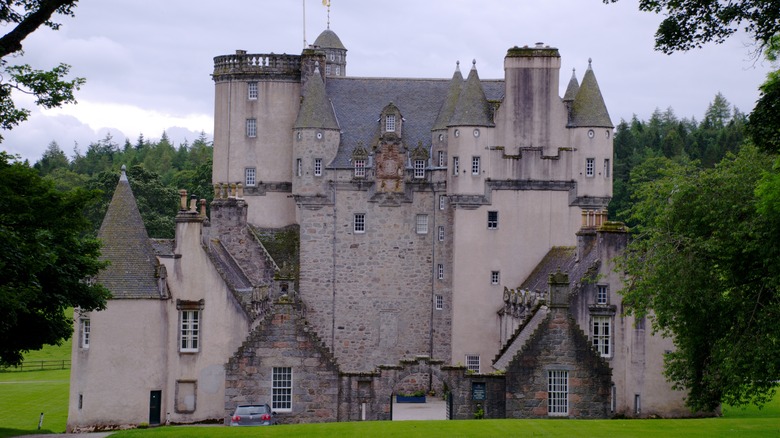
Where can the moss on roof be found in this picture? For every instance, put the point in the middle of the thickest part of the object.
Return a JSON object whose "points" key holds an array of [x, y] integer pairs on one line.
{"points": [[473, 108], [316, 110], [448, 107], [329, 40], [523, 52], [588, 108], [572, 88]]}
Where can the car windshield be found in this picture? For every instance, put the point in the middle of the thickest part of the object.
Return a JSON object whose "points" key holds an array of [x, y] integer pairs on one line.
{"points": [[251, 410]]}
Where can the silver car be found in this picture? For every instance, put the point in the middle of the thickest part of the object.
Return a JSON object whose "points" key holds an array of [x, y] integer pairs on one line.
{"points": [[253, 415]]}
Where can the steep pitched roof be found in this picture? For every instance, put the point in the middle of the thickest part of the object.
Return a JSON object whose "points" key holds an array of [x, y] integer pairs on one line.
{"points": [[448, 107], [572, 88], [329, 40], [316, 111], [472, 108], [588, 108], [133, 269]]}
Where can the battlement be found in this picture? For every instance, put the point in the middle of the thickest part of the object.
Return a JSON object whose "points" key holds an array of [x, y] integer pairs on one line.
{"points": [[256, 64]]}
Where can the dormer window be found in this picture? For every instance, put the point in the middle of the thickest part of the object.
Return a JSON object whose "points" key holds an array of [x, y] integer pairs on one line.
{"points": [[360, 168], [390, 123], [419, 169]]}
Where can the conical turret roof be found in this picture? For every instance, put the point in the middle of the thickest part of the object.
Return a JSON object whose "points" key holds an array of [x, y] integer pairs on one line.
{"points": [[126, 245], [448, 107], [572, 88], [472, 108], [316, 110], [329, 40], [588, 108]]}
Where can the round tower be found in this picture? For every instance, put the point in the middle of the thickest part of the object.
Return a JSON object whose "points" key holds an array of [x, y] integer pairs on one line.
{"points": [[335, 53]]}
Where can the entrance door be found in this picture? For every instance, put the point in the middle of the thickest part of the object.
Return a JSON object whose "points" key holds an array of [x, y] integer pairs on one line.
{"points": [[155, 405]]}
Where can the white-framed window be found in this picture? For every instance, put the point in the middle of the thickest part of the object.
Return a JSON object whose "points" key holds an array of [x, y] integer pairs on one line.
{"points": [[189, 331], [455, 166], [606, 168], [495, 277], [602, 335], [419, 169], [360, 168], [472, 362], [338, 70], [441, 159], [251, 128], [252, 91], [86, 327], [359, 223], [298, 167], [439, 302], [492, 220], [590, 164], [281, 389], [422, 224], [441, 233], [327, 69], [442, 202], [557, 392], [250, 176], [440, 271], [602, 293], [475, 162], [390, 123], [318, 167]]}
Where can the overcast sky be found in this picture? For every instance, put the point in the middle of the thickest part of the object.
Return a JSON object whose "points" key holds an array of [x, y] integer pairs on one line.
{"points": [[147, 62]]}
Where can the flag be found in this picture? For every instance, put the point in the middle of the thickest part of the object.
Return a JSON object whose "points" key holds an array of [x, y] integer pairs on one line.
{"points": [[326, 3]]}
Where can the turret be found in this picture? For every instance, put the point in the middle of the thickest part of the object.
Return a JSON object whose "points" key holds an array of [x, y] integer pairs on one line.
{"points": [[335, 53]]}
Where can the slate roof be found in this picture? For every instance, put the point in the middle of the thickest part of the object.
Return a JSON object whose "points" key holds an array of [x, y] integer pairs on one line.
{"points": [[315, 111], [448, 107], [358, 102], [133, 269], [472, 108], [588, 108], [572, 88], [329, 40]]}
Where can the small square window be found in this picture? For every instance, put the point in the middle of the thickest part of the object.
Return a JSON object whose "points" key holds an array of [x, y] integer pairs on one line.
{"points": [[495, 277], [440, 271], [422, 224], [390, 123], [601, 294], [475, 161], [359, 223], [472, 362], [419, 169], [250, 176], [252, 95], [590, 163], [251, 128], [439, 302], [441, 233], [318, 167], [441, 161], [86, 327], [492, 220], [360, 168], [455, 166], [281, 389]]}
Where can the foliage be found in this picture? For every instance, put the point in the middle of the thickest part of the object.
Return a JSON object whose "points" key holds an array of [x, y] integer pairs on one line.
{"points": [[690, 24], [50, 87], [45, 262], [703, 264]]}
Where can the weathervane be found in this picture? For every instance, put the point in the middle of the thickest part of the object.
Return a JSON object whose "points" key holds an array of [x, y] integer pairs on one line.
{"points": [[327, 4]]}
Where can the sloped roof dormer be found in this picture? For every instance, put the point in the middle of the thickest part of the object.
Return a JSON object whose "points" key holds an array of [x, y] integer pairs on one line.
{"points": [[316, 110], [126, 245], [588, 108], [450, 102], [473, 108]]}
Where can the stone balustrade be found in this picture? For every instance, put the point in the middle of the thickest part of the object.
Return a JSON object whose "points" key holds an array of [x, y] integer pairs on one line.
{"points": [[242, 62]]}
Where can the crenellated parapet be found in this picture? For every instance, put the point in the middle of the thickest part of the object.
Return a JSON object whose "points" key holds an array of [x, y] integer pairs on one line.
{"points": [[242, 63]]}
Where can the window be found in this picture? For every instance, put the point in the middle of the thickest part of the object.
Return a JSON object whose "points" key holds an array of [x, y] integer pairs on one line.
{"points": [[422, 224], [492, 220], [359, 223], [639, 323], [419, 168], [495, 277], [441, 233], [601, 294], [251, 128], [439, 302], [338, 70], [441, 159], [557, 392], [360, 168], [249, 176], [299, 167], [442, 202], [189, 330], [475, 165], [637, 403], [252, 95], [440, 271], [601, 335], [281, 387], [390, 123], [589, 166], [455, 166], [606, 168], [318, 167], [472, 362], [327, 69], [86, 326]]}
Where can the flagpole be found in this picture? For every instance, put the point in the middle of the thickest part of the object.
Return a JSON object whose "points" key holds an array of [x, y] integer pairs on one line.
{"points": [[304, 24]]}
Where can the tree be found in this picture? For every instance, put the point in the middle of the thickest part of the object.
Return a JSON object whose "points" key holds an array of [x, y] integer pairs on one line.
{"points": [[45, 263], [690, 24], [764, 124], [703, 265], [50, 88]]}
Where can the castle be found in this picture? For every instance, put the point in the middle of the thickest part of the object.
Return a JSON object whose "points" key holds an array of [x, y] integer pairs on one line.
{"points": [[372, 236]]}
